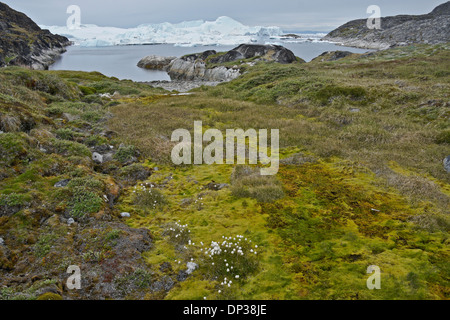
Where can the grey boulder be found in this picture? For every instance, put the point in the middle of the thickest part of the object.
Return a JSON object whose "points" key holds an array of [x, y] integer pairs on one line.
{"points": [[447, 164]]}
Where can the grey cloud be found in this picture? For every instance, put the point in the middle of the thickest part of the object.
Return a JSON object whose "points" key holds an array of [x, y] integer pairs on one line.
{"points": [[291, 15]]}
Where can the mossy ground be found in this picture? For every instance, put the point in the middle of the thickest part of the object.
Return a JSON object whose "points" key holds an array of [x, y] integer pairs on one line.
{"points": [[372, 190]]}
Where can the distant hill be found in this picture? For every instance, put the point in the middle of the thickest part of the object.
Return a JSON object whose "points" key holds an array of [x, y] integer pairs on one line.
{"points": [[429, 28], [24, 43]]}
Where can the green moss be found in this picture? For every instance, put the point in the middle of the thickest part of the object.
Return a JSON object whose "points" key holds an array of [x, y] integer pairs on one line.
{"points": [[325, 94], [87, 90], [84, 202], [44, 244], [86, 182], [149, 198], [248, 183], [69, 148], [443, 137], [92, 116], [13, 199], [50, 296], [95, 140], [13, 148], [125, 153], [113, 235], [66, 134]]}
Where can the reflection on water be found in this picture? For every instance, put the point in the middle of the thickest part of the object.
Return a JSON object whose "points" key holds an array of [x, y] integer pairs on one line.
{"points": [[121, 61]]}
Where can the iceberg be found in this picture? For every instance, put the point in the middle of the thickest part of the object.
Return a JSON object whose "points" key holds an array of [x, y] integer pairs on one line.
{"points": [[222, 31]]}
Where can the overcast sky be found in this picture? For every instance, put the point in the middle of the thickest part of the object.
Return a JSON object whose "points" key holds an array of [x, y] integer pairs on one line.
{"points": [[291, 15]]}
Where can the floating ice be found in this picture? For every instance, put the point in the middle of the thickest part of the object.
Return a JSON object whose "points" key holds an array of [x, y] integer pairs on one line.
{"points": [[223, 31]]}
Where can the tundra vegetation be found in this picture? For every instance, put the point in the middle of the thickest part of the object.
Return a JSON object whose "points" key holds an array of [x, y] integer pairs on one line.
{"points": [[361, 182]]}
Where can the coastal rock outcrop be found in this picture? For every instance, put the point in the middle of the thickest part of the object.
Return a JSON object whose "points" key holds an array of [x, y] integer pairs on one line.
{"points": [[206, 66], [332, 56], [193, 67], [155, 62], [24, 43], [429, 28], [267, 53]]}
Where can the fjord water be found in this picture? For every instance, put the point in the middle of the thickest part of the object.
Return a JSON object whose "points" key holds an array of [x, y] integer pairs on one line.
{"points": [[121, 61]]}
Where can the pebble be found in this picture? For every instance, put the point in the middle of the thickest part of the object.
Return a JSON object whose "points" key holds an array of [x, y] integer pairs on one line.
{"points": [[191, 266], [97, 157], [125, 215]]}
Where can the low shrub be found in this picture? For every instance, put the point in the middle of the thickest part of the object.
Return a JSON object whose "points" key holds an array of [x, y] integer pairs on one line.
{"points": [[248, 183], [84, 202], [149, 198]]}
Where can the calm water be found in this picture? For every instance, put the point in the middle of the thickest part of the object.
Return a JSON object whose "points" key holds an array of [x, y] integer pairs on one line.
{"points": [[121, 61]]}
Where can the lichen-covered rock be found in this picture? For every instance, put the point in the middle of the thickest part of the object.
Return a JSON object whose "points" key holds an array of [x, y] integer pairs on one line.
{"points": [[155, 62], [267, 52], [185, 69]]}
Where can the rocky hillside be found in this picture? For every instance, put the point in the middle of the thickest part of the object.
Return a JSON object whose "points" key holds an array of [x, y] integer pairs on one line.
{"points": [[23, 43], [429, 28], [86, 179]]}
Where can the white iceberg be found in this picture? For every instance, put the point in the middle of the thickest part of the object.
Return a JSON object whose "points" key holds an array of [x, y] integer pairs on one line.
{"points": [[223, 31]]}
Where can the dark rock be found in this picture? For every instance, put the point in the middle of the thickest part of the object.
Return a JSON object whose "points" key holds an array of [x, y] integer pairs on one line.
{"points": [[6, 210], [216, 186], [165, 284], [182, 276], [231, 55], [198, 56], [269, 52], [102, 149], [165, 267], [290, 36], [62, 183]]}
